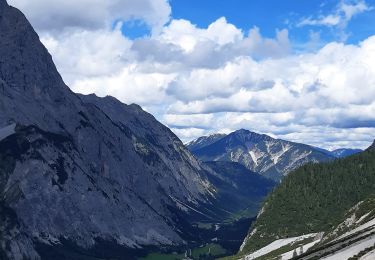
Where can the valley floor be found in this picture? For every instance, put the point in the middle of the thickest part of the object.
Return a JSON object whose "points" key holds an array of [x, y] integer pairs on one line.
{"points": [[221, 239]]}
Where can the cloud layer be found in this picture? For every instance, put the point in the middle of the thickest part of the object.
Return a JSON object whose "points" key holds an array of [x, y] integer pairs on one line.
{"points": [[215, 79], [57, 15], [340, 17]]}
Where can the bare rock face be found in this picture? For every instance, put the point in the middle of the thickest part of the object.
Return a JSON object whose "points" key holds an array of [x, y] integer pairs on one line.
{"points": [[31, 88], [79, 169]]}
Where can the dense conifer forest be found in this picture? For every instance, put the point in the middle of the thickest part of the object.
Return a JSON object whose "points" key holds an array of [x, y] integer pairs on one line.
{"points": [[314, 198]]}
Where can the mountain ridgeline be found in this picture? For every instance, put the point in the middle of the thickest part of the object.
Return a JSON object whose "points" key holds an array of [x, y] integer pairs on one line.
{"points": [[204, 141], [272, 158], [83, 177], [74, 175], [329, 198]]}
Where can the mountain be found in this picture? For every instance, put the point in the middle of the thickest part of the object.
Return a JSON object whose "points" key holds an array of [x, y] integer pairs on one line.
{"points": [[345, 152], [372, 147], [327, 207], [74, 174], [83, 177], [240, 189], [240, 194], [272, 158], [204, 141]]}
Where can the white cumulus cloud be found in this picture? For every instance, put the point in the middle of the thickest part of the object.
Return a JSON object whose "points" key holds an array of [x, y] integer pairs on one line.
{"points": [[214, 79], [57, 15]]}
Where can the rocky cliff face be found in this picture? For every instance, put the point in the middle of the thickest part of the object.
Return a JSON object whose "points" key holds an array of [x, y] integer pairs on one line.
{"points": [[273, 158], [73, 170]]}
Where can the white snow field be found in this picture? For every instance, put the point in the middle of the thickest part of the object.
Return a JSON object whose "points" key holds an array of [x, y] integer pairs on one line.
{"points": [[276, 245]]}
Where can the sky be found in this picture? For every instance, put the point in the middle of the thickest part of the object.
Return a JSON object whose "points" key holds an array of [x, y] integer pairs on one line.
{"points": [[297, 70]]}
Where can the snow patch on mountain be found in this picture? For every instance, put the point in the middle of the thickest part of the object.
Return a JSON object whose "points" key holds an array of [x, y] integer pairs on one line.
{"points": [[369, 256], [300, 250], [352, 249], [368, 224], [276, 245]]}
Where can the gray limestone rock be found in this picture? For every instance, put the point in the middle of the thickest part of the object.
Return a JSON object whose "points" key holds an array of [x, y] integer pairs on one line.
{"points": [[80, 168]]}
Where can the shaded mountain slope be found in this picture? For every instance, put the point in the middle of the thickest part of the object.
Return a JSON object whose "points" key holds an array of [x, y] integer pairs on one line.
{"points": [[345, 152], [203, 141], [238, 188], [90, 178], [74, 173]]}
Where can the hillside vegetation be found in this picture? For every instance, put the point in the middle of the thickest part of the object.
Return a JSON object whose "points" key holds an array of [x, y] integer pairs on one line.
{"points": [[314, 198]]}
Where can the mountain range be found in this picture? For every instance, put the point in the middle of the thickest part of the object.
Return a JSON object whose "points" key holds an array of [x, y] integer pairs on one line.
{"points": [[84, 177], [270, 157], [88, 177]]}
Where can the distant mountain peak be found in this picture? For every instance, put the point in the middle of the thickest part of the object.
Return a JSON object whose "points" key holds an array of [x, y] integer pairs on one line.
{"points": [[242, 131], [250, 135], [273, 158]]}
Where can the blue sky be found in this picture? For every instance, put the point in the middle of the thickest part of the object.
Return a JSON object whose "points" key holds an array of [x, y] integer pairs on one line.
{"points": [[269, 16], [297, 70]]}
